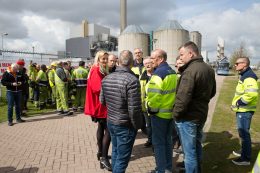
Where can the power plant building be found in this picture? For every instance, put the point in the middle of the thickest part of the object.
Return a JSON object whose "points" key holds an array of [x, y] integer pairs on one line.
{"points": [[195, 37], [86, 39], [134, 37], [169, 37]]}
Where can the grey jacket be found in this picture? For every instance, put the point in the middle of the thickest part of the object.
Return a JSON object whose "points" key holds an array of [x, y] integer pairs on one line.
{"points": [[121, 93]]}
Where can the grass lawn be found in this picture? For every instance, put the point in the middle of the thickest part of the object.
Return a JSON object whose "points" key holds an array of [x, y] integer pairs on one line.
{"points": [[223, 137], [33, 111]]}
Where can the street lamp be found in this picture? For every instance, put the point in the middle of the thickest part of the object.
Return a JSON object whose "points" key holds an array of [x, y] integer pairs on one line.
{"points": [[2, 35], [33, 51]]}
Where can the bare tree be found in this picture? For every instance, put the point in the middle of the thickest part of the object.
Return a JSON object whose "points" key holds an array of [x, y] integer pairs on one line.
{"points": [[240, 52]]}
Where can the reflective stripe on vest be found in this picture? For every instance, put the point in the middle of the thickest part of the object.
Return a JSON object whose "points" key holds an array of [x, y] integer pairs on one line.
{"points": [[43, 83], [160, 91], [81, 82], [245, 107], [248, 90], [251, 90]]}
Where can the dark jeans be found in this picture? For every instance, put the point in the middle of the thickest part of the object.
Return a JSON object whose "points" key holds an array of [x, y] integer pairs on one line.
{"points": [[162, 143], [123, 139], [243, 125], [36, 94], [148, 126], [13, 99], [191, 136]]}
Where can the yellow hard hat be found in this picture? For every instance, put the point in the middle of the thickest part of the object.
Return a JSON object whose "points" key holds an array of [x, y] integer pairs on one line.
{"points": [[54, 64]]}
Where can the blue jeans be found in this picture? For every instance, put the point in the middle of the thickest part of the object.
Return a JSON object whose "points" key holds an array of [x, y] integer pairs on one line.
{"points": [[191, 136], [123, 139], [243, 125], [162, 143], [14, 99], [148, 126]]}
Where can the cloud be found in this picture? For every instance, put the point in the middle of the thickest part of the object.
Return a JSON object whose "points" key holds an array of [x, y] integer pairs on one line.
{"points": [[233, 25], [46, 35], [45, 23], [12, 24]]}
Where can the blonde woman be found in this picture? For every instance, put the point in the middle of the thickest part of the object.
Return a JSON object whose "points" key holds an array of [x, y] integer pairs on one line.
{"points": [[96, 110]]}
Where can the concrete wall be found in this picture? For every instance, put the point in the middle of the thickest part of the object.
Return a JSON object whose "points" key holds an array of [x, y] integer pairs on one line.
{"points": [[78, 47]]}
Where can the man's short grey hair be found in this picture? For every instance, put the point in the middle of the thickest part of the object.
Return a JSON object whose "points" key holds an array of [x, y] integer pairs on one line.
{"points": [[246, 60], [138, 49], [161, 53], [126, 58], [147, 57], [191, 46]]}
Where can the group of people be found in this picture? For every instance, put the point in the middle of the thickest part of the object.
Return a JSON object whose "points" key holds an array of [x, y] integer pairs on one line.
{"points": [[147, 92], [130, 92]]}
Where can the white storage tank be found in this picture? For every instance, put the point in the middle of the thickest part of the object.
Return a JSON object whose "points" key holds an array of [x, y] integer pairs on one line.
{"points": [[133, 37], [169, 37], [195, 37]]}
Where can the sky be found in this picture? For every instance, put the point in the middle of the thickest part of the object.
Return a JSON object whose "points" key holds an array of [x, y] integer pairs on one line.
{"points": [[45, 24]]}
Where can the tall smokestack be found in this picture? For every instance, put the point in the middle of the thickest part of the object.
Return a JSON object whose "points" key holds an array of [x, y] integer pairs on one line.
{"points": [[123, 21]]}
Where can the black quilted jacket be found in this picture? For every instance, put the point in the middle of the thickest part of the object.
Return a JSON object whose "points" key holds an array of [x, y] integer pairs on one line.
{"points": [[122, 95]]}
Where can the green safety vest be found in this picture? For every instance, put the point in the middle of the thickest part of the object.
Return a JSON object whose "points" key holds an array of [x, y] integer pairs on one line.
{"points": [[161, 94], [58, 81], [32, 73], [247, 91], [143, 94], [51, 76], [42, 78], [138, 71], [80, 75]]}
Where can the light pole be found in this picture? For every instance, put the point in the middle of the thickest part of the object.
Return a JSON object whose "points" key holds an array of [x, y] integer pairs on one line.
{"points": [[2, 35], [33, 51]]}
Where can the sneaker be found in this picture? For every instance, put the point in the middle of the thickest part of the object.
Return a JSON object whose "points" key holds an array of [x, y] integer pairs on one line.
{"points": [[148, 144], [237, 153], [10, 123], [67, 113], [20, 121], [239, 161]]}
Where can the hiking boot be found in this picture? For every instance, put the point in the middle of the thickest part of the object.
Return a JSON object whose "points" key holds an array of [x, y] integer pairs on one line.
{"points": [[237, 153], [241, 162]]}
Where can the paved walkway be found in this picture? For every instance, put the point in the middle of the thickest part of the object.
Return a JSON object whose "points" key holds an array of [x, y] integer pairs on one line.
{"points": [[53, 143]]}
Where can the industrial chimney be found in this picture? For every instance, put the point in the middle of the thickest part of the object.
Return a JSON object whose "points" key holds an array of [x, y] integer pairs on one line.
{"points": [[123, 21], [85, 28]]}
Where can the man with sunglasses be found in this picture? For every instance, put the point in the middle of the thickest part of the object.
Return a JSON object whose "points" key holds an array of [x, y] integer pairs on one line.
{"points": [[244, 104]]}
